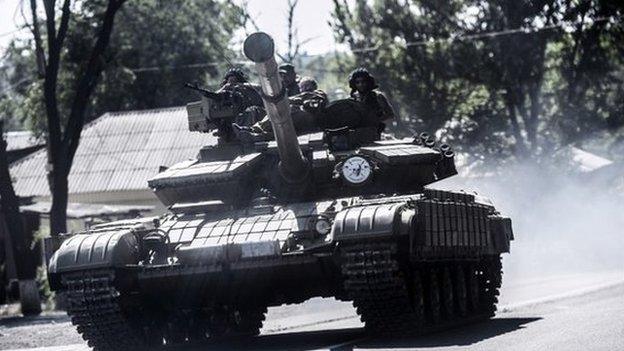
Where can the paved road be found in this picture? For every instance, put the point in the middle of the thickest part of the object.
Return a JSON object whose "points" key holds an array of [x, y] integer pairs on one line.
{"points": [[571, 312]]}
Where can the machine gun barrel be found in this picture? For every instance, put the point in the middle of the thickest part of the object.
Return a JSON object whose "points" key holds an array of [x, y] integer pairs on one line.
{"points": [[207, 93], [260, 48]]}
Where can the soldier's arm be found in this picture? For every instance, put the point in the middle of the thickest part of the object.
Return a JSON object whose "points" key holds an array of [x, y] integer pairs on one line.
{"points": [[387, 111], [225, 87], [322, 97]]}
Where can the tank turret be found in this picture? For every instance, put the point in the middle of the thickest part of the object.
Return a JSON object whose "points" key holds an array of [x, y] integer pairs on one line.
{"points": [[259, 48]]}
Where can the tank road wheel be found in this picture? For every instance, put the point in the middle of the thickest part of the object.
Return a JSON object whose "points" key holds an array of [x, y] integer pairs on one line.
{"points": [[248, 322], [381, 289], [433, 297], [97, 310], [473, 288], [418, 298], [461, 291], [204, 326], [448, 299], [224, 323], [218, 325], [153, 336], [489, 283], [175, 332]]}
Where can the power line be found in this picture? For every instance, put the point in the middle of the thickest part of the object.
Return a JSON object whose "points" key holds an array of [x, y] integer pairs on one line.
{"points": [[462, 38], [473, 37], [188, 66]]}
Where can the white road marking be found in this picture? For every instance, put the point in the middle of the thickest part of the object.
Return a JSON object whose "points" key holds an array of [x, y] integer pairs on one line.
{"points": [[74, 347]]}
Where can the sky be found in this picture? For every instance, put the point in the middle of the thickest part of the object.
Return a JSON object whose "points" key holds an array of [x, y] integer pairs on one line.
{"points": [[310, 18], [10, 17]]}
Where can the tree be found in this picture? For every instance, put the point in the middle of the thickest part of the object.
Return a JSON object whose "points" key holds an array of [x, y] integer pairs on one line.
{"points": [[155, 48], [591, 74], [510, 78], [23, 255], [293, 43], [63, 134], [159, 45], [391, 40]]}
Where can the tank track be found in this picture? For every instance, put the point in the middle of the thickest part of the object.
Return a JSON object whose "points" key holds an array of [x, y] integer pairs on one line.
{"points": [[95, 309], [394, 297], [250, 322]]}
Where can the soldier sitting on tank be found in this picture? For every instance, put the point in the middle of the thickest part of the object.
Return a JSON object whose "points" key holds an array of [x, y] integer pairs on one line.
{"points": [[236, 81], [363, 89], [311, 98], [289, 79], [305, 109], [358, 119]]}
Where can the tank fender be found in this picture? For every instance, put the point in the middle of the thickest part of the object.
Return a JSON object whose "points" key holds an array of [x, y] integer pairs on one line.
{"points": [[102, 249], [501, 231], [372, 221]]}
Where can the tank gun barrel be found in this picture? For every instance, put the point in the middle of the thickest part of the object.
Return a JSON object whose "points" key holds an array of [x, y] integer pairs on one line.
{"points": [[260, 48]]}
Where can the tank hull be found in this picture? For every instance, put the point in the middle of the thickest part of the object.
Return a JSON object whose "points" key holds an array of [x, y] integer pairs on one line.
{"points": [[408, 263]]}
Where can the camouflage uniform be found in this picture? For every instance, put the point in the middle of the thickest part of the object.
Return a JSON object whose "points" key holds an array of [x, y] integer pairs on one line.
{"points": [[310, 98]]}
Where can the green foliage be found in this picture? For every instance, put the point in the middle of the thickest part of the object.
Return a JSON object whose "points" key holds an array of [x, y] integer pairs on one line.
{"points": [[170, 36], [155, 48], [550, 75], [45, 293]]}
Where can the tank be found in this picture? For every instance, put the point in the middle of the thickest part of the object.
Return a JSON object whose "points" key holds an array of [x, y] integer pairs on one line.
{"points": [[259, 224]]}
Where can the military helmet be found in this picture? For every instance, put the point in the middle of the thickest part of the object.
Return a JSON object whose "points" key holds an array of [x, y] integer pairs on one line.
{"points": [[307, 84], [287, 68], [361, 73], [235, 72]]}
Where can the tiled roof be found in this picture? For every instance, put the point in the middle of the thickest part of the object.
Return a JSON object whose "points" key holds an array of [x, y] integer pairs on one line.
{"points": [[117, 152], [580, 160]]}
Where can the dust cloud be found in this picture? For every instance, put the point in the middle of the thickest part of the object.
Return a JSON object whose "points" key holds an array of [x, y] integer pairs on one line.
{"points": [[564, 222]]}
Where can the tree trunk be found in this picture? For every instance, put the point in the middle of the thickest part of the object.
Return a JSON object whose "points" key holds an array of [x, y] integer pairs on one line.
{"points": [[20, 240], [535, 110], [58, 210], [521, 148]]}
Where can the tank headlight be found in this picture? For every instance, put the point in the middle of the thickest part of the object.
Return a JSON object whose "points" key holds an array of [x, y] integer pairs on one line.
{"points": [[322, 226]]}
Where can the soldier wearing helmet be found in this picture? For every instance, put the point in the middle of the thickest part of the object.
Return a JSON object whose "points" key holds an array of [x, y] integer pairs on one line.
{"points": [[236, 83], [363, 89], [234, 76], [306, 106], [235, 80]]}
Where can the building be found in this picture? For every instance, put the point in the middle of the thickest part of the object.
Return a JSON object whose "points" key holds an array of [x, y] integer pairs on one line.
{"points": [[117, 154], [21, 144]]}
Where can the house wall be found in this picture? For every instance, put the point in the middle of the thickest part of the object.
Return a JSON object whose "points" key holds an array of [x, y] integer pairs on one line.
{"points": [[130, 197]]}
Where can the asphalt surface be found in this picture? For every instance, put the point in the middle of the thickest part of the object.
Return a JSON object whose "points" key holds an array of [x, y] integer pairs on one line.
{"points": [[564, 312]]}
